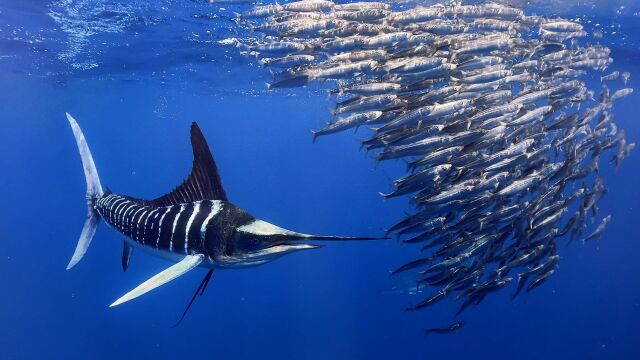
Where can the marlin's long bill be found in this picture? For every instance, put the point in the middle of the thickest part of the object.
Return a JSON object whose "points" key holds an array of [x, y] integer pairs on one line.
{"points": [[319, 237], [194, 225]]}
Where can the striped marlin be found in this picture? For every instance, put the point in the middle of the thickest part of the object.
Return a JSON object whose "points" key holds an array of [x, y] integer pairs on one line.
{"points": [[194, 225]]}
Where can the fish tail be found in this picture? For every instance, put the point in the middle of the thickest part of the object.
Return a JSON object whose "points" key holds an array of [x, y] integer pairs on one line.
{"points": [[386, 196], [94, 192], [408, 165]]}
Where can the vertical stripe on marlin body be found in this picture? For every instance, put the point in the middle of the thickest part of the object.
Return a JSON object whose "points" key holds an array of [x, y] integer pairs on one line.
{"points": [[194, 225]]}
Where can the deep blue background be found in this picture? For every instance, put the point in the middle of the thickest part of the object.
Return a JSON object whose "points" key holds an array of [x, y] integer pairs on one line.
{"points": [[335, 302]]}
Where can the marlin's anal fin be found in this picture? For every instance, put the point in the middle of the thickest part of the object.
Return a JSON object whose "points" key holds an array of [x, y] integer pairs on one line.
{"points": [[174, 271], [204, 181], [127, 250]]}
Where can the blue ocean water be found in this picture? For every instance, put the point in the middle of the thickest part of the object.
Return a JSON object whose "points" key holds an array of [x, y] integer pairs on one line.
{"points": [[135, 75]]}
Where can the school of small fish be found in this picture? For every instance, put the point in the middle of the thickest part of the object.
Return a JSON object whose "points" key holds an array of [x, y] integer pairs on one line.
{"points": [[489, 108]]}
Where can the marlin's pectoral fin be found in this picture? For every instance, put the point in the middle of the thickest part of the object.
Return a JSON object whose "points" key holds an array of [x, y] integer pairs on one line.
{"points": [[187, 263]]}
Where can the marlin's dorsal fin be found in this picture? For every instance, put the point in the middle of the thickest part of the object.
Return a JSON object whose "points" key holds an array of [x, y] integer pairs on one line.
{"points": [[204, 181]]}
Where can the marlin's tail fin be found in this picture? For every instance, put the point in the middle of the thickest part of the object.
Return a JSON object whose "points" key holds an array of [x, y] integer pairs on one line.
{"points": [[94, 191]]}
